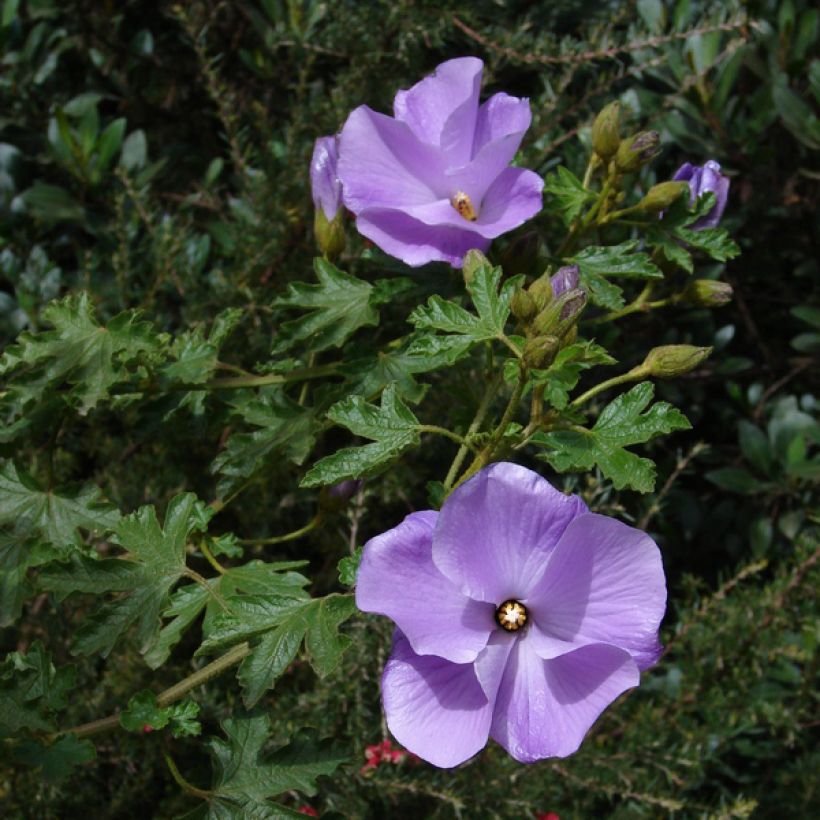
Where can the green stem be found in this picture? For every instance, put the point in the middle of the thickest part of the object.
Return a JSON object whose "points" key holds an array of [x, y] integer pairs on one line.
{"points": [[478, 420], [272, 378], [442, 431], [174, 693], [508, 342], [211, 559], [290, 536], [633, 375], [187, 787], [203, 582], [640, 304], [485, 456]]}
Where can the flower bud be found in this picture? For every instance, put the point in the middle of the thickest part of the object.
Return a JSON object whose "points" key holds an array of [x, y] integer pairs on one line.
{"points": [[330, 234], [706, 293], [540, 352], [337, 496], [636, 151], [521, 255], [523, 305], [606, 135], [669, 361], [705, 179], [541, 291], [473, 260], [325, 186], [561, 313], [565, 279], [661, 196]]}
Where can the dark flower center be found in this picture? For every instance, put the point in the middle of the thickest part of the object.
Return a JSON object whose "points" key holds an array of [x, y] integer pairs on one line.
{"points": [[464, 205], [511, 615]]}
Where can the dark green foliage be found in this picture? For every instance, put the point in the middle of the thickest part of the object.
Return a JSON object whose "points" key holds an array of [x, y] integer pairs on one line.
{"points": [[168, 337]]}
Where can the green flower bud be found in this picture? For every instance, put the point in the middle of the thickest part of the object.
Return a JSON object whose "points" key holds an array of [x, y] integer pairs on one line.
{"points": [[330, 233], [708, 293], [636, 151], [606, 129], [669, 361], [540, 352], [541, 291], [523, 306], [473, 260], [661, 196], [561, 313]]}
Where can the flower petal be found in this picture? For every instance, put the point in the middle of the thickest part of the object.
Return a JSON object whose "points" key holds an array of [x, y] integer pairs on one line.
{"points": [[544, 708], [604, 583], [397, 578], [502, 116], [441, 110], [492, 661], [495, 532], [324, 183], [495, 146], [512, 199], [414, 242], [382, 164], [434, 708]]}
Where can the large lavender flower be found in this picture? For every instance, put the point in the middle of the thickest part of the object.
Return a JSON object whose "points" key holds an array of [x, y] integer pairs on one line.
{"points": [[521, 616], [705, 179], [434, 180]]}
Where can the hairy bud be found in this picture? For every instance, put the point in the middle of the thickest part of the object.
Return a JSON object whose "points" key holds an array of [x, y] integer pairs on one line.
{"points": [[473, 260], [636, 151], [541, 291], [708, 293], [661, 196], [669, 361], [561, 313], [606, 136], [540, 352], [330, 233], [523, 306]]}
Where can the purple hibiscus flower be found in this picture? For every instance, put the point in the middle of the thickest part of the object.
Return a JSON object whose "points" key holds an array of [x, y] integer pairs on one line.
{"points": [[434, 180], [324, 181], [521, 616], [705, 179]]}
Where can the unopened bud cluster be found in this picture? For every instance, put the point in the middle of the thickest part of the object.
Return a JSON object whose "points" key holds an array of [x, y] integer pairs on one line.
{"points": [[549, 309]]}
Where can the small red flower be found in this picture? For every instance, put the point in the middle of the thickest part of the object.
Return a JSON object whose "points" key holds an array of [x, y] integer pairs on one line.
{"points": [[309, 810], [147, 729], [547, 815]]}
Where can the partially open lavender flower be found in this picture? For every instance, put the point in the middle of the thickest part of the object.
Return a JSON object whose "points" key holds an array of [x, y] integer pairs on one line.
{"points": [[521, 616], [705, 179], [324, 181], [434, 180]]}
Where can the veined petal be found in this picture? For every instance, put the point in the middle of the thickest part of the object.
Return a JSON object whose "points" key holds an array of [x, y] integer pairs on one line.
{"points": [[397, 578], [512, 199], [416, 243], [441, 110], [495, 532], [496, 143], [544, 708], [501, 116], [492, 661], [382, 164], [434, 708], [604, 583]]}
